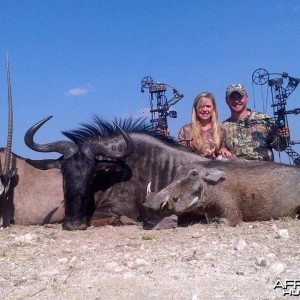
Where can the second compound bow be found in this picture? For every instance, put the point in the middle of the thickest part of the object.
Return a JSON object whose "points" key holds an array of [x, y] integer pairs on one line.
{"points": [[281, 88]]}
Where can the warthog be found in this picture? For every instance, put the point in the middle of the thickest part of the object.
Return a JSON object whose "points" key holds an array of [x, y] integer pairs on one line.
{"points": [[233, 192]]}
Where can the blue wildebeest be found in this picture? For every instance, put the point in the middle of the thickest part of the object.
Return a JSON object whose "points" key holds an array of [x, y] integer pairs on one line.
{"points": [[116, 187], [231, 192], [77, 164]]}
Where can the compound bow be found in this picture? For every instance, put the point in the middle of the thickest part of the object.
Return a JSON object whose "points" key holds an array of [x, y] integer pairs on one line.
{"points": [[279, 101], [160, 112]]}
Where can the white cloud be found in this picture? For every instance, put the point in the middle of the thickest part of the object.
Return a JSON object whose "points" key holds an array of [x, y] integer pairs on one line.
{"points": [[77, 91]]}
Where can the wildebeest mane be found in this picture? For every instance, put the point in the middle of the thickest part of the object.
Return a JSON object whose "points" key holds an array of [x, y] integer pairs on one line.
{"points": [[100, 128]]}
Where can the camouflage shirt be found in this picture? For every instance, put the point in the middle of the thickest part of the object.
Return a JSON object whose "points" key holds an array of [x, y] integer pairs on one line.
{"points": [[254, 137], [209, 149]]}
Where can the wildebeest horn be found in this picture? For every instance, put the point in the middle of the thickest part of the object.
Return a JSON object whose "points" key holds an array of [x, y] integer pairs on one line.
{"points": [[93, 149], [63, 147]]}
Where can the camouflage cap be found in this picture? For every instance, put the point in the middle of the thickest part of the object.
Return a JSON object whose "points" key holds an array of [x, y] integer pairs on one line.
{"points": [[236, 87]]}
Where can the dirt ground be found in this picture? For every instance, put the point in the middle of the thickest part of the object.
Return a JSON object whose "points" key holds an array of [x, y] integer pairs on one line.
{"points": [[202, 261]]}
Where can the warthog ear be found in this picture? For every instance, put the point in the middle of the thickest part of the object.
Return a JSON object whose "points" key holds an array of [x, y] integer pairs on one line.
{"points": [[213, 176], [179, 169]]}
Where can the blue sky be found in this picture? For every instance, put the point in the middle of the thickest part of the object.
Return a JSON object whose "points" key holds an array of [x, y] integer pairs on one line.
{"points": [[72, 59]]}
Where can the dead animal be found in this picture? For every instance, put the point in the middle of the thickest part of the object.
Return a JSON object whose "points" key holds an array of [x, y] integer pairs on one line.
{"points": [[232, 192]]}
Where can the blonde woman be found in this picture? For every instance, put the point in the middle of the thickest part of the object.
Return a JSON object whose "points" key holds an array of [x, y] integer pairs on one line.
{"points": [[204, 135]]}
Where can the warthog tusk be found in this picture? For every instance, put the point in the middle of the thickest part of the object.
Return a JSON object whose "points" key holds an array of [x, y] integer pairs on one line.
{"points": [[194, 201], [149, 188], [165, 201], [2, 188]]}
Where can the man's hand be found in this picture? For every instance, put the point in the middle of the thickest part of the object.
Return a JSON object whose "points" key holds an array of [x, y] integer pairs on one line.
{"points": [[283, 132]]}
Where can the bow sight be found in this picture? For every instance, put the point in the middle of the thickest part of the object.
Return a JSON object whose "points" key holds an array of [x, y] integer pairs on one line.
{"points": [[279, 101], [160, 110]]}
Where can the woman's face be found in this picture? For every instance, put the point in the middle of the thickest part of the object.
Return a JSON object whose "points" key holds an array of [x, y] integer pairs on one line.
{"points": [[205, 112]]}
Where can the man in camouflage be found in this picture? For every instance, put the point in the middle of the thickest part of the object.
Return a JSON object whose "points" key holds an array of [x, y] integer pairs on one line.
{"points": [[251, 135]]}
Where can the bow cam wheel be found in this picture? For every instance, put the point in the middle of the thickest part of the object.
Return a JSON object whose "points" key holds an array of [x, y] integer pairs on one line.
{"points": [[260, 76], [147, 82]]}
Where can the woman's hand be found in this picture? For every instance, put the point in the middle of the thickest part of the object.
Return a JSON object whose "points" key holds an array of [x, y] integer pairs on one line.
{"points": [[225, 152]]}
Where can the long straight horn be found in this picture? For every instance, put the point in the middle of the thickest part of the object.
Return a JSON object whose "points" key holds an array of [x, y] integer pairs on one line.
{"points": [[10, 121]]}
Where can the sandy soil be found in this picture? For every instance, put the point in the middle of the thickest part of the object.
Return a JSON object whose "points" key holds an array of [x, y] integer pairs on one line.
{"points": [[196, 262]]}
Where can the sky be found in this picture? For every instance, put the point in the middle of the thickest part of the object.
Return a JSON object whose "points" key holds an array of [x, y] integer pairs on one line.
{"points": [[75, 59]]}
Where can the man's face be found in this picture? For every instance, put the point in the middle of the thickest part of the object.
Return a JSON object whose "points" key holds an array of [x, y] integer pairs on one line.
{"points": [[237, 102]]}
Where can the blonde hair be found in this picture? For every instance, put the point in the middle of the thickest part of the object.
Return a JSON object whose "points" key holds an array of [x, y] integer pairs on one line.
{"points": [[196, 132]]}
